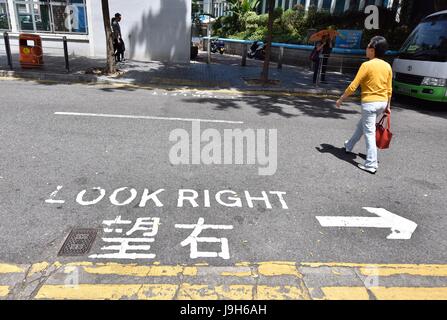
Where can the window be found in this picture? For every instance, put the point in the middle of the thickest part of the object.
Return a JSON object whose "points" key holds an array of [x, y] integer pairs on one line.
{"points": [[57, 16], [4, 16], [428, 41], [340, 7]]}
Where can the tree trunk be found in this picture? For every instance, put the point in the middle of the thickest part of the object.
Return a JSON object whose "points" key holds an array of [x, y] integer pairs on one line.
{"points": [[111, 65], [265, 68]]}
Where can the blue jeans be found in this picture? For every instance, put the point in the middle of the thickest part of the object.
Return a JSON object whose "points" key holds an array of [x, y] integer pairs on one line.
{"points": [[367, 127]]}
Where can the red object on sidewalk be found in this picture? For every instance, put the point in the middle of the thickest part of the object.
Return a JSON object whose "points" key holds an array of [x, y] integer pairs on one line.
{"points": [[384, 135], [31, 52]]}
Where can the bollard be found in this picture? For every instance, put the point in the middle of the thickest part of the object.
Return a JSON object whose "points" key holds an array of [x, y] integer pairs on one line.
{"points": [[8, 49], [320, 68], [280, 57], [67, 62], [244, 54]]}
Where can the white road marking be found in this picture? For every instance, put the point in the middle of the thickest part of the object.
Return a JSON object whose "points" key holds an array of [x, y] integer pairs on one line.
{"points": [[53, 195], [401, 228], [142, 117]]}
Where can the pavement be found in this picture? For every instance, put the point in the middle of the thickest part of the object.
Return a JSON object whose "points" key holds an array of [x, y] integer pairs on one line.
{"points": [[225, 72], [93, 156], [270, 280]]}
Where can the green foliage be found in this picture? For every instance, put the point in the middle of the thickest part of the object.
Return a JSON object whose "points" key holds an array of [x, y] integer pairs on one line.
{"points": [[291, 26]]}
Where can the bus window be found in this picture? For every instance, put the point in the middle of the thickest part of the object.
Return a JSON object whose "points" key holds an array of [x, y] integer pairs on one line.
{"points": [[428, 41]]}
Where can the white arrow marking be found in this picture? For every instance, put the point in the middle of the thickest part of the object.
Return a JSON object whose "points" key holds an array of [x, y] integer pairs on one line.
{"points": [[401, 228]]}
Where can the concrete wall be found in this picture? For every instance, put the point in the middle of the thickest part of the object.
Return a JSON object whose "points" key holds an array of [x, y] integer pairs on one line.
{"points": [[152, 29]]}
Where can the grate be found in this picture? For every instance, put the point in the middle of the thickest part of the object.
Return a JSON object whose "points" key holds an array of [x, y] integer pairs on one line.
{"points": [[78, 243], [409, 78]]}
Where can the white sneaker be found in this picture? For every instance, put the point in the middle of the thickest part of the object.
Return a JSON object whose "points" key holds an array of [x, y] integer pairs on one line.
{"points": [[367, 169]]}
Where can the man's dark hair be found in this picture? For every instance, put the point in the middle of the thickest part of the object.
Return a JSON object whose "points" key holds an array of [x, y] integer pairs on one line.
{"points": [[117, 15], [380, 46]]}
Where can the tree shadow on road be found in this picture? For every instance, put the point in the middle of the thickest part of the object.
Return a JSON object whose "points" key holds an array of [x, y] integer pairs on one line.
{"points": [[283, 105]]}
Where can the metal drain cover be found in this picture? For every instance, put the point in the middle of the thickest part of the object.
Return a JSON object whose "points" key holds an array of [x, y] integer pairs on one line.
{"points": [[78, 243]]}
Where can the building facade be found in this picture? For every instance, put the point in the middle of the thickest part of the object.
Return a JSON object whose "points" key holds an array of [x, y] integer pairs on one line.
{"points": [[152, 29]]}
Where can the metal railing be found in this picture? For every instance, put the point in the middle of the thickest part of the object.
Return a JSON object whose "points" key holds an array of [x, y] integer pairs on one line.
{"points": [[9, 47], [342, 61], [325, 69]]}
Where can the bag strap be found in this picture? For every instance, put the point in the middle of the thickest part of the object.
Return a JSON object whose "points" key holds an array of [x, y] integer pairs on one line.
{"points": [[382, 120]]}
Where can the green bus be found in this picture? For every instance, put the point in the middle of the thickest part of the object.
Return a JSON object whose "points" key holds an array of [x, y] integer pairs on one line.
{"points": [[420, 70]]}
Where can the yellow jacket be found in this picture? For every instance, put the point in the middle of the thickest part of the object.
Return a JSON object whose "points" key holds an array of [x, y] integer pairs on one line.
{"points": [[375, 78]]}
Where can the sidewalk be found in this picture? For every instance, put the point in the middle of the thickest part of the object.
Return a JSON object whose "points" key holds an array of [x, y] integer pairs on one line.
{"points": [[225, 72]]}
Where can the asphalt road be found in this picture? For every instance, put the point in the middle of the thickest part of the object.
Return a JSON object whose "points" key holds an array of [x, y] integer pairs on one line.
{"points": [[41, 150]]}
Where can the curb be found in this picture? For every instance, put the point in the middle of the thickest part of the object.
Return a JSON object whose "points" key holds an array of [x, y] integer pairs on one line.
{"points": [[162, 83]]}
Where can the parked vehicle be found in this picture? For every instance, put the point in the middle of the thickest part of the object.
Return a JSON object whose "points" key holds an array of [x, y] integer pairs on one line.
{"points": [[217, 46], [256, 51], [421, 69]]}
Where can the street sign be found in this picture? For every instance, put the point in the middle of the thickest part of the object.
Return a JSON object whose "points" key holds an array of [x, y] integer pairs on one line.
{"points": [[349, 39]]}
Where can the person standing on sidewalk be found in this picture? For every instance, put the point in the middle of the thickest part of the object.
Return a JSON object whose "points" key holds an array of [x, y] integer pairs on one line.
{"points": [[118, 41], [325, 48], [375, 79]]}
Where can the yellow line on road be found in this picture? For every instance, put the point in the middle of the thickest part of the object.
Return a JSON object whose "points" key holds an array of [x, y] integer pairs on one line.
{"points": [[418, 270], [125, 288], [89, 291], [133, 269], [4, 291], [278, 268], [267, 268], [433, 270], [280, 293], [10, 268], [38, 267], [184, 291], [408, 293], [345, 293]]}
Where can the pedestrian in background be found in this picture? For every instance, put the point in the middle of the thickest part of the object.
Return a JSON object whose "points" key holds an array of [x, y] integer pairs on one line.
{"points": [[323, 47], [375, 79], [118, 42]]}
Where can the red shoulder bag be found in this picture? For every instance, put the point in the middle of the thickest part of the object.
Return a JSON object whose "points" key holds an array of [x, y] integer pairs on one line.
{"points": [[384, 134]]}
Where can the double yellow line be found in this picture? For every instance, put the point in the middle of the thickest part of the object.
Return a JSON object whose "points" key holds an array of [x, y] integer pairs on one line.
{"points": [[271, 280]]}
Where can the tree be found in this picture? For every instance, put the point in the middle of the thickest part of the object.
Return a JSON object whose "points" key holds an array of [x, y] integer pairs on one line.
{"points": [[240, 7], [111, 65], [265, 68]]}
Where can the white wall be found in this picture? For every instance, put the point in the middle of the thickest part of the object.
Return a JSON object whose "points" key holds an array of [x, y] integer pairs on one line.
{"points": [[152, 29]]}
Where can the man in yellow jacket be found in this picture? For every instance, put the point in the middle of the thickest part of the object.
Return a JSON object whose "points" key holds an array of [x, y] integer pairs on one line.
{"points": [[375, 78]]}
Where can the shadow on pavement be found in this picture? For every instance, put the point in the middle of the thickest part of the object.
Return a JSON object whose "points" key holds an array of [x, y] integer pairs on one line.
{"points": [[436, 109], [267, 105], [340, 153]]}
